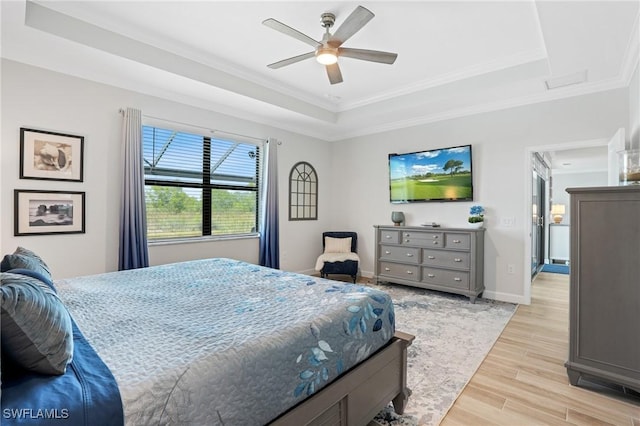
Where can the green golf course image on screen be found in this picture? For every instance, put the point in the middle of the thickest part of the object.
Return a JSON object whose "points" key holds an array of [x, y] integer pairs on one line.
{"points": [[443, 174]]}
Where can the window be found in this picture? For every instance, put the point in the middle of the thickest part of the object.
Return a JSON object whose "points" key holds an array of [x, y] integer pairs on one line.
{"points": [[303, 192], [198, 185]]}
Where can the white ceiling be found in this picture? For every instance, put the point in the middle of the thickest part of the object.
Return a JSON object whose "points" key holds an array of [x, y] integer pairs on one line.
{"points": [[454, 58]]}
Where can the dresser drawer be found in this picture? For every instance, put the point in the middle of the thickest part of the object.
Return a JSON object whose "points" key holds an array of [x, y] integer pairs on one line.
{"points": [[423, 239], [400, 254], [443, 277], [391, 237], [447, 259], [397, 270], [457, 241]]}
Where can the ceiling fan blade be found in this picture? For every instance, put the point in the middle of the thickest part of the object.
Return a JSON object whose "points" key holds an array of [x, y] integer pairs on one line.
{"points": [[354, 22], [285, 29], [293, 60], [368, 55], [333, 71]]}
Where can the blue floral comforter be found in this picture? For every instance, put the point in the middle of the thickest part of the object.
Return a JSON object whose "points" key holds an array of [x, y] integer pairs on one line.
{"points": [[223, 342]]}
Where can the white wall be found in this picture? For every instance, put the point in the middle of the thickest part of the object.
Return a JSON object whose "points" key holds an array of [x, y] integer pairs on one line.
{"points": [[353, 174], [40, 99], [634, 110], [558, 237], [499, 140], [562, 181]]}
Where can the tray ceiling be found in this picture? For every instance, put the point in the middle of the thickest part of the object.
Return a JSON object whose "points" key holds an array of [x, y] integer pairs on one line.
{"points": [[454, 57]]}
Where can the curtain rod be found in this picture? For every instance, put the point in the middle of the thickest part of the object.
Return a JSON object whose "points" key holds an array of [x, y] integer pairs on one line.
{"points": [[214, 131]]}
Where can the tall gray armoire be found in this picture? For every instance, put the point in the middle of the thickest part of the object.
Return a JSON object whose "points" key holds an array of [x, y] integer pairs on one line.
{"points": [[604, 310]]}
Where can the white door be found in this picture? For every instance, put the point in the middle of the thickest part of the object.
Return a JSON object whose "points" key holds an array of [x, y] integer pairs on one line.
{"points": [[615, 145]]}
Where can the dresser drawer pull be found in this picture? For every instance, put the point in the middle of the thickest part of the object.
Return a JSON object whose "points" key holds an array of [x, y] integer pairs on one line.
{"points": [[407, 240], [457, 259], [410, 272], [388, 237], [457, 279], [435, 237], [387, 252], [435, 243], [431, 275], [431, 257], [457, 241], [387, 269], [409, 254]]}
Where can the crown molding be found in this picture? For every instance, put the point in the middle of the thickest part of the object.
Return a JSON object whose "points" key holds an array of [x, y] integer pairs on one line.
{"points": [[520, 58], [557, 94]]}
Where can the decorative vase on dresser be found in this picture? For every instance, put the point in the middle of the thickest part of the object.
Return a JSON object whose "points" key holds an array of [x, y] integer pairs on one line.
{"points": [[604, 303], [445, 259]]}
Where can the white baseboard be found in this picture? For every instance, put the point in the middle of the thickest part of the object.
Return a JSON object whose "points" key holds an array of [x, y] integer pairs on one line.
{"points": [[487, 294], [504, 297]]}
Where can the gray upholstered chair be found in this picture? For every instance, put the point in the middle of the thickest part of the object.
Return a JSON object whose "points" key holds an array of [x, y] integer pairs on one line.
{"points": [[339, 254]]}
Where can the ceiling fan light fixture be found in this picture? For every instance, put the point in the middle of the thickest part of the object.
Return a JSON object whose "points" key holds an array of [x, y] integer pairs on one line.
{"points": [[327, 55], [329, 48]]}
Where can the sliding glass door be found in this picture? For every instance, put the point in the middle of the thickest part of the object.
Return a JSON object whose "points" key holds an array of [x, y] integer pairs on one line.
{"points": [[538, 197]]}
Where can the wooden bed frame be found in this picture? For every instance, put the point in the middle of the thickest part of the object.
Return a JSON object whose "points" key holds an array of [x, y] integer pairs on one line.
{"points": [[356, 397]]}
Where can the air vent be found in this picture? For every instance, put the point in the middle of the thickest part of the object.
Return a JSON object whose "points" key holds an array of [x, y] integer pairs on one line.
{"points": [[566, 80]]}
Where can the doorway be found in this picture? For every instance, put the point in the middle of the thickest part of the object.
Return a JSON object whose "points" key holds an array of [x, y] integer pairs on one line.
{"points": [[534, 242]]}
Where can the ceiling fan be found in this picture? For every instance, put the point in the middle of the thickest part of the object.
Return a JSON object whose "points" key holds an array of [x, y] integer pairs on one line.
{"points": [[330, 48]]}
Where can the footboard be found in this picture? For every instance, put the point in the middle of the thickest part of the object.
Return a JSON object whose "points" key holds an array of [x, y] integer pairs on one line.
{"points": [[355, 398]]}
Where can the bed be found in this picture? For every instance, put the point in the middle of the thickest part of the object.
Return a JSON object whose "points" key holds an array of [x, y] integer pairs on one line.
{"points": [[223, 342]]}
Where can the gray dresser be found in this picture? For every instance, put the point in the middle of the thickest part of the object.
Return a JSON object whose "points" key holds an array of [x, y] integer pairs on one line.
{"points": [[445, 259], [604, 310]]}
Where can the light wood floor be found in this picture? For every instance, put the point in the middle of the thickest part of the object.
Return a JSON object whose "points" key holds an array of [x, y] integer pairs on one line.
{"points": [[523, 381]]}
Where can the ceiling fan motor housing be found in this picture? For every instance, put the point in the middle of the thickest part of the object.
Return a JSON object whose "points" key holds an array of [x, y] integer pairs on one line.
{"points": [[328, 19]]}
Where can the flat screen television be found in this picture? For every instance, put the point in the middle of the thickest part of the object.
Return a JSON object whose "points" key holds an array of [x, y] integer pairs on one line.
{"points": [[443, 174]]}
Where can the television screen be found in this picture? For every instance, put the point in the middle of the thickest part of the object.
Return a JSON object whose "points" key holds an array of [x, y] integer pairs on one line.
{"points": [[434, 175]]}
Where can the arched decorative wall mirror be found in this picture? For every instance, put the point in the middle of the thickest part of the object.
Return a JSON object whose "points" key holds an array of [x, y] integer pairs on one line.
{"points": [[303, 192]]}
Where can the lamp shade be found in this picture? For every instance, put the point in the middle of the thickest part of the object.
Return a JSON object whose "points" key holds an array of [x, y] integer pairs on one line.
{"points": [[557, 210]]}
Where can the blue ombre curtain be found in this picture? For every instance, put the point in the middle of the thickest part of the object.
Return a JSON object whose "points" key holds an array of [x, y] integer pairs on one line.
{"points": [[133, 216], [269, 228]]}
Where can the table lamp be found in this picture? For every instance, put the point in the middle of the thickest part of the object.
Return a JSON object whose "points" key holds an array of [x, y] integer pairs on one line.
{"points": [[557, 210]]}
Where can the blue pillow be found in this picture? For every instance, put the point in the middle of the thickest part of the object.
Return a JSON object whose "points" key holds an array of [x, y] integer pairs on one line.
{"points": [[35, 327], [34, 274], [23, 258]]}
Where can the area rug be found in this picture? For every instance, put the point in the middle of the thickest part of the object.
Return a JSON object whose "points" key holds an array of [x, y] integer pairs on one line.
{"points": [[453, 336], [555, 268]]}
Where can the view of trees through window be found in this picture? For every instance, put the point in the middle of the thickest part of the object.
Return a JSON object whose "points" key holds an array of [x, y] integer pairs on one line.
{"points": [[198, 186]]}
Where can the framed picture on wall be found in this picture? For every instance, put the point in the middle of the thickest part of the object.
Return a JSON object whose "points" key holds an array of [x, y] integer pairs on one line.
{"points": [[48, 212], [50, 155]]}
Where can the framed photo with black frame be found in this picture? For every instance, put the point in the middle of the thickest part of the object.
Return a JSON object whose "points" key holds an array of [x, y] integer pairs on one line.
{"points": [[50, 155], [48, 212]]}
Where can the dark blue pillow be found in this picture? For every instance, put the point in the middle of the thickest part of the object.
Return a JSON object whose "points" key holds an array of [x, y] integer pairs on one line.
{"points": [[34, 274], [35, 326], [23, 258]]}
